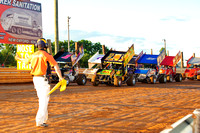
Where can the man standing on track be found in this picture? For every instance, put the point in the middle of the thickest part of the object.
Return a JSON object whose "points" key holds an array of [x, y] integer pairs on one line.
{"points": [[39, 65]]}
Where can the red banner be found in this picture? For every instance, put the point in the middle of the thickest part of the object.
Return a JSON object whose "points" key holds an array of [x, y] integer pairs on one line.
{"points": [[20, 22]]}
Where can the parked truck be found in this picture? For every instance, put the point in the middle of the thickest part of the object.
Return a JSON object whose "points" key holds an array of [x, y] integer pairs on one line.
{"points": [[21, 24]]}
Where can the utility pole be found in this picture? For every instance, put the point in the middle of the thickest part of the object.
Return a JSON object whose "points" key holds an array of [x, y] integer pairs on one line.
{"points": [[56, 27], [68, 34], [164, 45]]}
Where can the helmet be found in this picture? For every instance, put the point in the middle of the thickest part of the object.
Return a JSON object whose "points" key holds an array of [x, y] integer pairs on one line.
{"points": [[41, 43]]}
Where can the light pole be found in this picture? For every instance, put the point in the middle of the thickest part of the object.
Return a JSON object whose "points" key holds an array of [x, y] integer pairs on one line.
{"points": [[68, 34], [164, 45], [56, 27]]}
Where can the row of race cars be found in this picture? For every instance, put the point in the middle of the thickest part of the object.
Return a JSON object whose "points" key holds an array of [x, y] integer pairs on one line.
{"points": [[119, 67]]}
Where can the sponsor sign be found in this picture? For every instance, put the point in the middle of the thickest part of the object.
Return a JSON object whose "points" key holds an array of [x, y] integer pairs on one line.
{"points": [[114, 57], [129, 55], [24, 51], [20, 22], [177, 58], [138, 57], [161, 57], [105, 72], [79, 54]]}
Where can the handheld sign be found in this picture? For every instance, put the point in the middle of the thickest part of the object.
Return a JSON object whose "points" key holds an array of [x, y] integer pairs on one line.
{"points": [[24, 51]]}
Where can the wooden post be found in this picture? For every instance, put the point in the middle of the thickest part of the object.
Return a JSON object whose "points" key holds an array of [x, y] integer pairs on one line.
{"points": [[165, 46], [49, 49], [68, 34], [76, 49], [182, 63], [167, 52], [103, 49], [151, 51], [194, 55]]}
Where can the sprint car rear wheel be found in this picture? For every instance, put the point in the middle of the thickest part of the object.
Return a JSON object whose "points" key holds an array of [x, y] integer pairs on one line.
{"points": [[163, 78], [67, 79], [95, 81], [178, 78]]}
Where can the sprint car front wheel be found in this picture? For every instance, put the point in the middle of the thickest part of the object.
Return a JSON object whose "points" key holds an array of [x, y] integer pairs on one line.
{"points": [[117, 82], [131, 81], [81, 79]]}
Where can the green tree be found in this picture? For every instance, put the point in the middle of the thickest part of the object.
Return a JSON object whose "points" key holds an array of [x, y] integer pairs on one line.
{"points": [[161, 49], [89, 50], [7, 55]]}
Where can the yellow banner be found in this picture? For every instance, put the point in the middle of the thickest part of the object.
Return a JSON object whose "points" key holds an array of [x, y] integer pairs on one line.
{"points": [[24, 51], [129, 55]]}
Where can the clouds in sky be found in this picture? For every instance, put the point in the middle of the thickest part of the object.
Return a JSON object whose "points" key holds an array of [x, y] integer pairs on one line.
{"points": [[120, 23]]}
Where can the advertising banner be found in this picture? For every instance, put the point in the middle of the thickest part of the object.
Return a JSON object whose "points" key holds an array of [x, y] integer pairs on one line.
{"points": [[105, 72], [20, 22], [138, 57], [115, 57], [79, 54], [24, 51], [129, 55], [161, 57], [177, 58]]}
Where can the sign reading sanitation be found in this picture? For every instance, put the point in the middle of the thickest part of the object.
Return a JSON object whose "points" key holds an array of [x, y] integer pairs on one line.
{"points": [[24, 51]]}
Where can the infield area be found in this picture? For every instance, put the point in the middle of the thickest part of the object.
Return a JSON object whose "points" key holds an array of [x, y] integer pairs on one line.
{"points": [[143, 108]]}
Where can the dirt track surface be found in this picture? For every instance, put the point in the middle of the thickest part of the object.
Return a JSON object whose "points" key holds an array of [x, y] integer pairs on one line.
{"points": [[143, 108]]}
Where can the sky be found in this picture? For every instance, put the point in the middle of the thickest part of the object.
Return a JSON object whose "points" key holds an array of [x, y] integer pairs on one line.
{"points": [[118, 24]]}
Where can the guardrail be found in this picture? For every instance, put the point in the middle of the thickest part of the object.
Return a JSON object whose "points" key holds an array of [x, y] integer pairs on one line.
{"points": [[184, 125]]}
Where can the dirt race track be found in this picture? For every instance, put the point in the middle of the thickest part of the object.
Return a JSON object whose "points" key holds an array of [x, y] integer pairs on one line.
{"points": [[143, 108]]}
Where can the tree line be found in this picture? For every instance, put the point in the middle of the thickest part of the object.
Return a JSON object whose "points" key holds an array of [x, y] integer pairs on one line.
{"points": [[8, 51]]}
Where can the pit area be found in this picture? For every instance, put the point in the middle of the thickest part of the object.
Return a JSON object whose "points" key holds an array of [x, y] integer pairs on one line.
{"points": [[143, 108]]}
